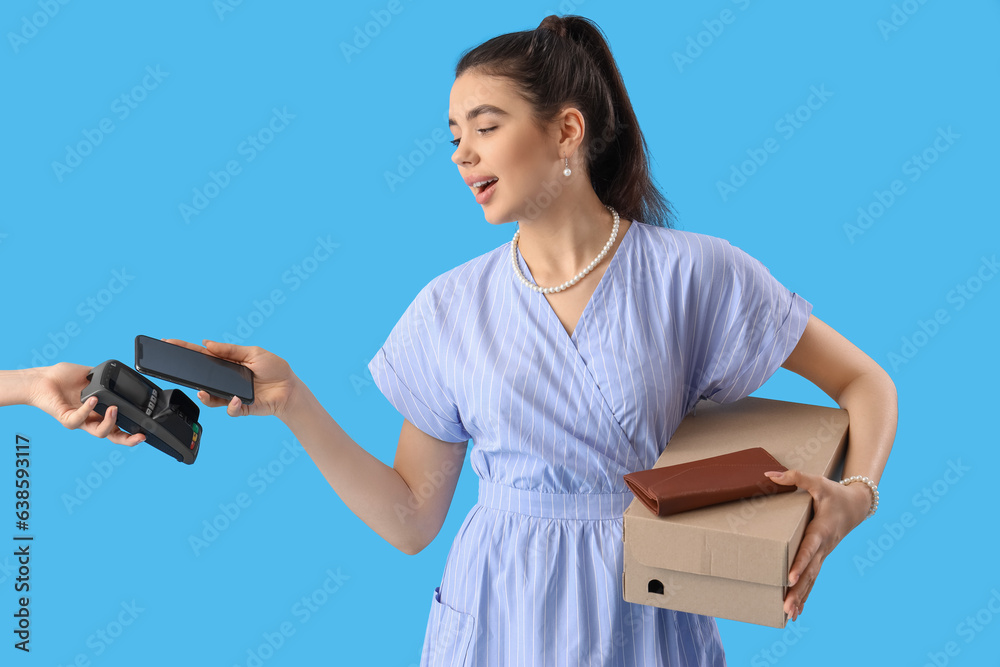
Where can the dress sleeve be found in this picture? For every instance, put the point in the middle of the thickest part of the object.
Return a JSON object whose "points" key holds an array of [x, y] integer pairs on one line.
{"points": [[745, 323], [407, 370]]}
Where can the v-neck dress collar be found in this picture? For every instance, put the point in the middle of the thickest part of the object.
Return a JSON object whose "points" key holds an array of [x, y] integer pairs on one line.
{"points": [[585, 315]]}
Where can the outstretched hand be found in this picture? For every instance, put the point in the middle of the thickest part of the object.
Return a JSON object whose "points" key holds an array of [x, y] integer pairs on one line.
{"points": [[837, 509], [56, 390], [273, 380]]}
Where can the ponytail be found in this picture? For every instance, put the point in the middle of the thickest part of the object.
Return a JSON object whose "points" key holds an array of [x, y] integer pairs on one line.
{"points": [[566, 61]]}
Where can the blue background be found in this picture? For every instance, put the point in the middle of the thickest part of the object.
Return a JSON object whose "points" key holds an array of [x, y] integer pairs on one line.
{"points": [[356, 119]]}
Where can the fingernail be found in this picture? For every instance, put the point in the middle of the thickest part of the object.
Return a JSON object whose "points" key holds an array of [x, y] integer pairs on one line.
{"points": [[773, 473], [92, 401]]}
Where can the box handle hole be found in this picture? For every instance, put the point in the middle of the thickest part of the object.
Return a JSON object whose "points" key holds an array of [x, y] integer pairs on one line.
{"points": [[655, 586]]}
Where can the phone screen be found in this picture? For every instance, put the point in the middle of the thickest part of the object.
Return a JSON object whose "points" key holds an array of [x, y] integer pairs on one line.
{"points": [[193, 369]]}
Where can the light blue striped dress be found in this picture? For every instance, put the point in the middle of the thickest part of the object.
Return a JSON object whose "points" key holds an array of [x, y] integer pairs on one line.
{"points": [[534, 576]]}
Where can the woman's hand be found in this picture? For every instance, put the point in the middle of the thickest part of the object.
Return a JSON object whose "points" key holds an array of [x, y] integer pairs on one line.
{"points": [[273, 379], [56, 390], [837, 509]]}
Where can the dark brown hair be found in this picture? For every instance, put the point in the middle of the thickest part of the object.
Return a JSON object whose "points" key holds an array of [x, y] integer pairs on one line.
{"points": [[566, 61]]}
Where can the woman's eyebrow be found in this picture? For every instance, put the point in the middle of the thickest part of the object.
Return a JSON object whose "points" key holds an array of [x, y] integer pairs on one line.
{"points": [[479, 110]]}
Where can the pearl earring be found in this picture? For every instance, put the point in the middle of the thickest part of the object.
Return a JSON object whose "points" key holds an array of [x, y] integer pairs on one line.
{"points": [[567, 171]]}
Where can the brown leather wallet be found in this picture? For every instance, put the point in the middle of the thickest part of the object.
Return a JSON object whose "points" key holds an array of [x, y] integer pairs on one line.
{"points": [[717, 479]]}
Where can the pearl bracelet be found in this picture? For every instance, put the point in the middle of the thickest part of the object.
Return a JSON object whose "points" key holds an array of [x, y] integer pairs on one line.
{"points": [[872, 486]]}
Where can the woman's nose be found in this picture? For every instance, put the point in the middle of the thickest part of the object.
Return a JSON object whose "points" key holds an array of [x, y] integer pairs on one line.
{"points": [[462, 155]]}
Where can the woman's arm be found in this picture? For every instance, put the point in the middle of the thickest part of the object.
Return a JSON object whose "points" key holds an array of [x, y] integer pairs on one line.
{"points": [[857, 384], [862, 387], [14, 386], [381, 496], [406, 504]]}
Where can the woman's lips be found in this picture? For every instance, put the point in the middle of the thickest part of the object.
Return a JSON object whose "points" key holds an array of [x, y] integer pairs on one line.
{"points": [[484, 195]]}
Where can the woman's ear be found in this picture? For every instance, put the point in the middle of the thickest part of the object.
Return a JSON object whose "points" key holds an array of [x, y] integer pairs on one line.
{"points": [[569, 128]]}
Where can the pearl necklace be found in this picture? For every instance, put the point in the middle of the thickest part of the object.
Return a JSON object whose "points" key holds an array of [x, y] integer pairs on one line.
{"points": [[575, 279]]}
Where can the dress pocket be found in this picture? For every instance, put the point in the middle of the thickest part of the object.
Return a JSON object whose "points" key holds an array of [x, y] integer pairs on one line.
{"points": [[449, 636]]}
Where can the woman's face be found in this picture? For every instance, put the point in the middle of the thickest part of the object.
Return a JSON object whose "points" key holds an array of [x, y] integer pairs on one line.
{"points": [[495, 137]]}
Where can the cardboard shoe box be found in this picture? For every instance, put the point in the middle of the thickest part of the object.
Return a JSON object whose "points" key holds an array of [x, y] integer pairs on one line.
{"points": [[731, 560]]}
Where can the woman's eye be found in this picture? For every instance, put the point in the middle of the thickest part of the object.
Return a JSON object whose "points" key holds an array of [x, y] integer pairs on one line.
{"points": [[454, 142]]}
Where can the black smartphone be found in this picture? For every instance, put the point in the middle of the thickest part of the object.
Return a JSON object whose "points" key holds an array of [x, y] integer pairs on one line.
{"points": [[219, 377]]}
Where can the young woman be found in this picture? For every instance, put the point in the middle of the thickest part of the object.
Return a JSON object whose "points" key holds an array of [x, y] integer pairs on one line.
{"points": [[569, 356]]}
